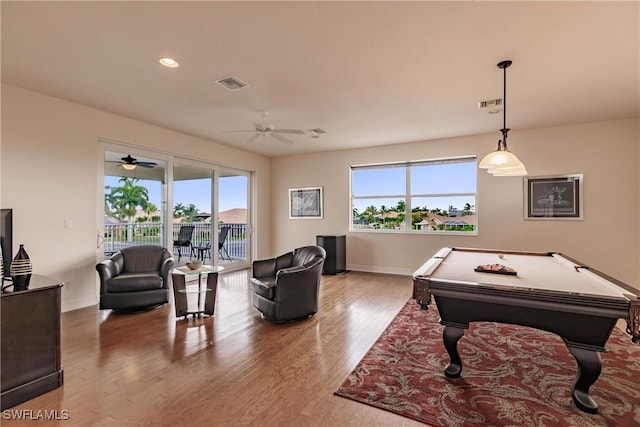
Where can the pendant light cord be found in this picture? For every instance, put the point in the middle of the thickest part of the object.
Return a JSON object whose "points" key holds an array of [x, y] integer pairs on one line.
{"points": [[504, 65]]}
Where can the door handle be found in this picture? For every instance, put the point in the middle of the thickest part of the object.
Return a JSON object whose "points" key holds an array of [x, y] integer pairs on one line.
{"points": [[99, 240]]}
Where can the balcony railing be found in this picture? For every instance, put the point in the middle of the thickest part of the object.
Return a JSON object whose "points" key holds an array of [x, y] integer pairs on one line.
{"points": [[118, 236]]}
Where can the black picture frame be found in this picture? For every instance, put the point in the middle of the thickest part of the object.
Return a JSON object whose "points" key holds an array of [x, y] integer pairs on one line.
{"points": [[554, 197], [305, 203]]}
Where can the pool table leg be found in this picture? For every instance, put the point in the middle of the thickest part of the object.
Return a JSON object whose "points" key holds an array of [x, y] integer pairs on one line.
{"points": [[589, 367], [451, 335]]}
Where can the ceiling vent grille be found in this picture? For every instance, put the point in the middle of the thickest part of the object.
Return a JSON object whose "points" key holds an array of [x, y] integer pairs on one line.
{"points": [[232, 83], [491, 103]]}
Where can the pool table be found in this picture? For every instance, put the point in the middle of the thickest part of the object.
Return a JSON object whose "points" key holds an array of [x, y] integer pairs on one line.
{"points": [[549, 291]]}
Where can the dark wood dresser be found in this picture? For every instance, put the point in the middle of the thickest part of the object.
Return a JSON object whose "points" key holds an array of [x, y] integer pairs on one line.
{"points": [[30, 361]]}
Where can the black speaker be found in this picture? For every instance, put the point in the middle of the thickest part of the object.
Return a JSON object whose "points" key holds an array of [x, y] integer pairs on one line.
{"points": [[335, 246]]}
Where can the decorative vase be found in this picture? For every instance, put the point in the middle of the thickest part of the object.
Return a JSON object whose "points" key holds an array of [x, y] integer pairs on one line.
{"points": [[21, 269]]}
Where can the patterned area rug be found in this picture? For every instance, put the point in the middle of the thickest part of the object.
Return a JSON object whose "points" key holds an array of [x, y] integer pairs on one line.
{"points": [[511, 376]]}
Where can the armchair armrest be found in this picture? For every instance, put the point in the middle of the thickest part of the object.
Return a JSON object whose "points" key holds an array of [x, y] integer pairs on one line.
{"points": [[264, 268], [165, 268], [109, 268]]}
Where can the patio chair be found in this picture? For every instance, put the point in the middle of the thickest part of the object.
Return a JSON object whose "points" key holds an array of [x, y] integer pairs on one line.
{"points": [[184, 239], [222, 240]]}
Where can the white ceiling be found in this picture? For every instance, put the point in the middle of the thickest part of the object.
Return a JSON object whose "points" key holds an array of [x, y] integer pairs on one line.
{"points": [[368, 73]]}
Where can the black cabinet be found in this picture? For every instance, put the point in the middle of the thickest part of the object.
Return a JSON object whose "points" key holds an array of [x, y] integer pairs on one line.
{"points": [[335, 246], [30, 362]]}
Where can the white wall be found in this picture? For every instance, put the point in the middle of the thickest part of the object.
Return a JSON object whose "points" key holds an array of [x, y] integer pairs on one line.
{"points": [[606, 153], [49, 174]]}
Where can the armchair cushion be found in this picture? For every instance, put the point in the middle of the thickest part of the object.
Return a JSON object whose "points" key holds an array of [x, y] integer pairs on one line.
{"points": [[264, 287], [132, 282]]}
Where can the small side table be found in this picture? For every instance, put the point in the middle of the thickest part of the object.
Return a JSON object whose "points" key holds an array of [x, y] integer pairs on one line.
{"points": [[181, 290]]}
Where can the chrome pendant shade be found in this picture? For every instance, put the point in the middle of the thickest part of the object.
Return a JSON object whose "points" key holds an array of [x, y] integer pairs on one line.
{"points": [[502, 162]]}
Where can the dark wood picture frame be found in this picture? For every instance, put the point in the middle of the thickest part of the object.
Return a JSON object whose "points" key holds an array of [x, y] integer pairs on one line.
{"points": [[554, 197]]}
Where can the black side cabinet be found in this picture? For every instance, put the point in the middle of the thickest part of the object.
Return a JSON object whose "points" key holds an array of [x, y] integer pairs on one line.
{"points": [[335, 246], [30, 361]]}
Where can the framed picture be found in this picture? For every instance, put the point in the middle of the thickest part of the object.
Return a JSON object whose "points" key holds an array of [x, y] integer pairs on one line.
{"points": [[305, 202], [553, 197]]}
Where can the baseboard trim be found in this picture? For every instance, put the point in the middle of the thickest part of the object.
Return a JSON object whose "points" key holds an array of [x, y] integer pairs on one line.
{"points": [[379, 269], [77, 303]]}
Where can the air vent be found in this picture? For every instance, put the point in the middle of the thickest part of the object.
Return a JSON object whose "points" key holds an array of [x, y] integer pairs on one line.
{"points": [[491, 103], [232, 83]]}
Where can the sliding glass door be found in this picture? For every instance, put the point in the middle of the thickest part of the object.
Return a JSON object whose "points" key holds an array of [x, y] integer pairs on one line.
{"points": [[234, 223], [193, 222], [194, 208], [133, 201]]}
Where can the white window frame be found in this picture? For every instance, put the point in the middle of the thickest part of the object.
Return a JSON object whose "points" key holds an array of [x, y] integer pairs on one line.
{"points": [[407, 196]]}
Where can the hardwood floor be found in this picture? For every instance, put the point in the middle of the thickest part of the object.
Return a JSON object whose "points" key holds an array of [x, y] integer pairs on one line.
{"points": [[233, 369]]}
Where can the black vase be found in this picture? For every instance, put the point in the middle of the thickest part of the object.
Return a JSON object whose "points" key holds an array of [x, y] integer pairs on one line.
{"points": [[21, 270]]}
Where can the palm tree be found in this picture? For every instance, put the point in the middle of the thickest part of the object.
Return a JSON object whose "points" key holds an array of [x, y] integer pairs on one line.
{"points": [[126, 199], [178, 210], [150, 209], [190, 212]]}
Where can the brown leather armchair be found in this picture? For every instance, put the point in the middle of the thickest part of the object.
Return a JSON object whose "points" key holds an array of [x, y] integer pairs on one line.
{"points": [[286, 288], [135, 278]]}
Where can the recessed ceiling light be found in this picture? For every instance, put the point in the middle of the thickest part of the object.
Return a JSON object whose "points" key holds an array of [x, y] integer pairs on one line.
{"points": [[169, 62]]}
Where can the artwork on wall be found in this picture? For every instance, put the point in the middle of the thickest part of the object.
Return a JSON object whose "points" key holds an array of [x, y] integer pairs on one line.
{"points": [[305, 203], [553, 197]]}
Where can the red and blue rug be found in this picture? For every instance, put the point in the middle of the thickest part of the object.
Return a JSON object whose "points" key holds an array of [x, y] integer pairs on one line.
{"points": [[511, 376]]}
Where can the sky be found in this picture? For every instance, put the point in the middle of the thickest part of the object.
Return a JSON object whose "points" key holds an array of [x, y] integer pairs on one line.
{"points": [[425, 180], [233, 192], [449, 178]]}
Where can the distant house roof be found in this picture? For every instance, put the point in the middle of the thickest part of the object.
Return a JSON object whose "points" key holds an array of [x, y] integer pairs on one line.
{"points": [[233, 216], [111, 220], [390, 214]]}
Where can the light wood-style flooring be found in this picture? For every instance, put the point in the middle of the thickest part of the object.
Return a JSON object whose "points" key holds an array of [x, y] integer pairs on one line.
{"points": [[234, 369]]}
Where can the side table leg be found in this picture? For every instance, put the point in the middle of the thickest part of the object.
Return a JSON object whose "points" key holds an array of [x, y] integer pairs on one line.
{"points": [[210, 297], [179, 298]]}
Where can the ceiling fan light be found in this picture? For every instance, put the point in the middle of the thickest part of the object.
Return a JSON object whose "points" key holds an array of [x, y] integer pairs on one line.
{"points": [[129, 166], [169, 62]]}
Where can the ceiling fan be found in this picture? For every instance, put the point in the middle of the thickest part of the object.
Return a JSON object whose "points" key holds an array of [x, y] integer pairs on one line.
{"points": [[130, 163], [267, 130]]}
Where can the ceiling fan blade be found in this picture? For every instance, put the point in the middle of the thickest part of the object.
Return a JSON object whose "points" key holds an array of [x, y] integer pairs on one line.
{"points": [[146, 164], [253, 138], [291, 131], [280, 138]]}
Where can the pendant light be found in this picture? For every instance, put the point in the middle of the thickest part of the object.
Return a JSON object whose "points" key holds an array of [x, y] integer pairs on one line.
{"points": [[502, 162]]}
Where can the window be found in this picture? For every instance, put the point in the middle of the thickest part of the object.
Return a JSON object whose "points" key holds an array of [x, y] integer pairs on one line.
{"points": [[417, 196]]}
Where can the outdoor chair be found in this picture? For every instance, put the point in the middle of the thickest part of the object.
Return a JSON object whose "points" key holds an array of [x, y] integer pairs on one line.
{"points": [[222, 240], [285, 289], [203, 251], [184, 239]]}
